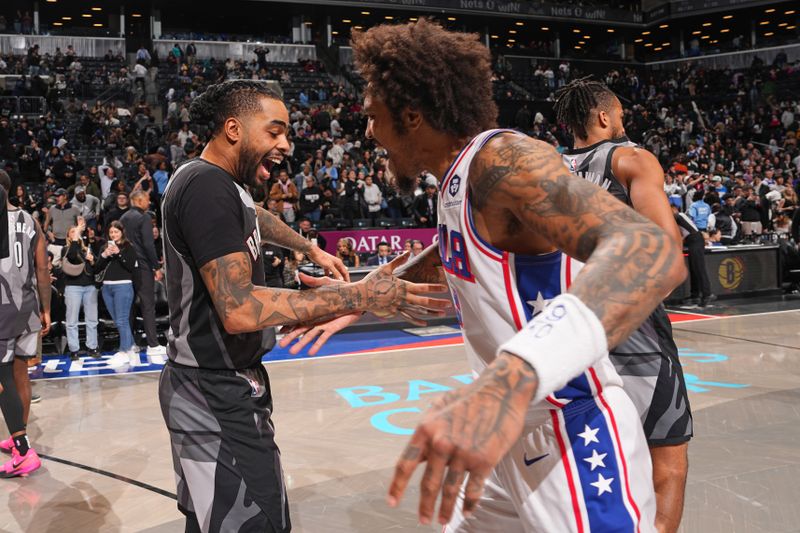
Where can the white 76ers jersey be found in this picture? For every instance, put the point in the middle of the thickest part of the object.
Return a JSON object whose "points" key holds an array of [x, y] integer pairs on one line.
{"points": [[495, 292]]}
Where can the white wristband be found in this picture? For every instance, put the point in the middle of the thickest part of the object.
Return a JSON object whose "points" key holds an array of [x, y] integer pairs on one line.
{"points": [[560, 343]]}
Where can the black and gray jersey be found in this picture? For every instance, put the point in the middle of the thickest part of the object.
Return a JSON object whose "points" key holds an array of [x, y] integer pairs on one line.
{"points": [[208, 215], [19, 298], [593, 163]]}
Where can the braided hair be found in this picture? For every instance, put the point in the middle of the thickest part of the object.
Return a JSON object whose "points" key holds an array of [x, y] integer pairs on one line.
{"points": [[575, 101], [231, 98]]}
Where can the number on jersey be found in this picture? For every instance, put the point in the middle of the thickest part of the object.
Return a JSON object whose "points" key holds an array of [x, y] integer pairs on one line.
{"points": [[454, 254]]}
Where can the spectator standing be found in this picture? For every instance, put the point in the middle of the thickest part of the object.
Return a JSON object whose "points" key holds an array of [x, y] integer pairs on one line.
{"points": [[373, 198], [425, 207], [77, 263], [60, 218], [273, 263], [285, 193], [138, 228], [311, 199], [700, 211], [118, 209], [749, 208], [161, 178], [88, 206], [117, 261], [700, 291]]}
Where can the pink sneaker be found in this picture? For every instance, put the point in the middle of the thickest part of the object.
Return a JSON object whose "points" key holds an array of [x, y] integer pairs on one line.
{"points": [[20, 465], [6, 445]]}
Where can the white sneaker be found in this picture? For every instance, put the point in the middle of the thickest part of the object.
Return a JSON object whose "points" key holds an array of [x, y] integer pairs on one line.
{"points": [[157, 350], [133, 358], [119, 358]]}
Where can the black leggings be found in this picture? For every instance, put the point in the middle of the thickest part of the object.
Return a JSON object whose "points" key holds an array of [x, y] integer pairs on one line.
{"points": [[10, 404]]}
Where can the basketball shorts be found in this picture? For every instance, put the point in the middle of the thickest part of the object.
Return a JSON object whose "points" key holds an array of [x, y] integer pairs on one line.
{"points": [[587, 468], [25, 345], [227, 465], [653, 377]]}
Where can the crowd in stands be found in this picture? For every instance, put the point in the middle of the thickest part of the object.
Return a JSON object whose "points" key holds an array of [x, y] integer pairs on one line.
{"points": [[726, 139]]}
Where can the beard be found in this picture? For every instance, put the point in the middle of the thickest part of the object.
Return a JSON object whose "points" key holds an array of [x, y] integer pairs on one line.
{"points": [[247, 167]]}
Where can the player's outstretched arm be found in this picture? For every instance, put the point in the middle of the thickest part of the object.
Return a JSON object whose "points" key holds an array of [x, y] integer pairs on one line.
{"points": [[275, 231], [244, 307], [631, 265]]}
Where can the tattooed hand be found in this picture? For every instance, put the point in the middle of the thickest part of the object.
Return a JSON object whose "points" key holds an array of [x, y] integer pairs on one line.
{"points": [[466, 432], [388, 295]]}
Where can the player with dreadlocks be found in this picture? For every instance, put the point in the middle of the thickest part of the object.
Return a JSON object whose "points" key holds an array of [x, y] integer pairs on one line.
{"points": [[648, 361]]}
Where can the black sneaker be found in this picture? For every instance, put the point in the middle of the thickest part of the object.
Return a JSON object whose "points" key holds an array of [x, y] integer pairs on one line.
{"points": [[94, 353], [74, 356], [35, 398], [705, 300]]}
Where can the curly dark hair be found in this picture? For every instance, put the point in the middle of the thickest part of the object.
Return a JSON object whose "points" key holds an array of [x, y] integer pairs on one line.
{"points": [[444, 74], [575, 101], [229, 99]]}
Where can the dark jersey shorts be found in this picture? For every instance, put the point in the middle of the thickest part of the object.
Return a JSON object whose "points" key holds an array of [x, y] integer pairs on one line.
{"points": [[653, 378], [227, 465]]}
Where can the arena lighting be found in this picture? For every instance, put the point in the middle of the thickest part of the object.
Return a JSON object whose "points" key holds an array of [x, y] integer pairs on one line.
{"points": [[769, 34], [705, 37], [724, 30], [66, 18], [657, 48], [51, 2], [334, 33], [97, 9], [451, 19], [645, 33], [648, 44], [664, 26], [770, 10], [495, 36], [413, 19], [519, 23], [512, 40], [581, 42], [790, 12], [577, 47], [706, 24], [365, 12], [308, 23], [610, 30], [790, 27], [97, 25], [587, 36], [358, 27], [696, 32], [545, 28], [389, 17], [87, 15], [665, 44], [136, 15], [512, 31], [347, 21], [763, 23], [727, 17], [576, 30], [638, 40], [57, 23], [782, 24]]}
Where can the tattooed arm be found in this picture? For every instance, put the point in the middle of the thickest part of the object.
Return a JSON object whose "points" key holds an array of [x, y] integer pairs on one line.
{"points": [[529, 203], [275, 231], [244, 307], [424, 268], [631, 264]]}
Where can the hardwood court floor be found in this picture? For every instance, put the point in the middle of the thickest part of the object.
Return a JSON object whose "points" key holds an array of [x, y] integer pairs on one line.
{"points": [[743, 374]]}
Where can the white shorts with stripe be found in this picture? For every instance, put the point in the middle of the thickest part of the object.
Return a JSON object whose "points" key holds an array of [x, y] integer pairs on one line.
{"points": [[587, 469]]}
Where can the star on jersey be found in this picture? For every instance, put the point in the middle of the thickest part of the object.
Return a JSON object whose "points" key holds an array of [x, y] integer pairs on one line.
{"points": [[596, 459], [538, 304], [589, 435], [602, 484]]}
